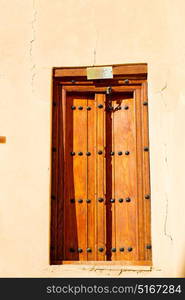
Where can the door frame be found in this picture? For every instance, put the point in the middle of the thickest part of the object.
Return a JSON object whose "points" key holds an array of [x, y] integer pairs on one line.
{"points": [[127, 77]]}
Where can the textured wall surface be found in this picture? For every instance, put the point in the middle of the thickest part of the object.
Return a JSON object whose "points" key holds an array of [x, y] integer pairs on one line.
{"points": [[38, 35]]}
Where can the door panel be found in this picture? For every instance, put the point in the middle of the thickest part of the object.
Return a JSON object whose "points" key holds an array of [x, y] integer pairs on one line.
{"points": [[125, 180], [104, 217]]}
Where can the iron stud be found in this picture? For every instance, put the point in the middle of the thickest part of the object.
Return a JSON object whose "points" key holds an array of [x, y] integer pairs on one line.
{"points": [[100, 199], [148, 247], [128, 199], [100, 105], [146, 149]]}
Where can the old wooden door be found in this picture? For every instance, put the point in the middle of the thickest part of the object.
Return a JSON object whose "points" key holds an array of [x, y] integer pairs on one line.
{"points": [[101, 173]]}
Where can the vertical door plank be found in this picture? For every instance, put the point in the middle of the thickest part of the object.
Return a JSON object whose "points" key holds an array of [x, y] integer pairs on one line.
{"points": [[113, 207], [146, 172], [75, 177], [121, 208], [108, 149], [125, 177], [140, 150], [54, 174], [80, 172], [91, 161], [60, 198], [70, 240], [100, 160]]}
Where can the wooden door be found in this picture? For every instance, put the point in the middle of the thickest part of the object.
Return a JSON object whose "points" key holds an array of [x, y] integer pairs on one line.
{"points": [[101, 175]]}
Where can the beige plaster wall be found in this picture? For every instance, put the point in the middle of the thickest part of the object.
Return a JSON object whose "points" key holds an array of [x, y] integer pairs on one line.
{"points": [[38, 35]]}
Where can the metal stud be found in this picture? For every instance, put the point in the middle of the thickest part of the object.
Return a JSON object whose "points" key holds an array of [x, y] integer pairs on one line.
{"points": [[109, 90], [120, 200], [100, 152], [71, 250], [119, 107], [112, 153], [88, 108], [126, 107], [126, 81], [88, 201], [113, 249], [145, 103], [54, 149], [80, 201], [72, 200], [53, 197], [100, 249], [112, 200], [120, 153], [89, 250], [148, 247], [129, 249], [80, 250], [100, 199], [100, 105], [73, 107], [147, 196], [80, 107], [73, 81], [54, 103], [121, 249], [146, 149], [128, 199], [72, 153], [127, 152], [88, 153], [109, 108], [80, 153]]}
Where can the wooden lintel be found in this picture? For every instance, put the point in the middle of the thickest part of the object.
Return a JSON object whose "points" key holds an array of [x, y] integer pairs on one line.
{"points": [[127, 69]]}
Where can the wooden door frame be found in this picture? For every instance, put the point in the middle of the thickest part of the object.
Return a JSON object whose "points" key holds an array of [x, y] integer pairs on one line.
{"points": [[127, 77]]}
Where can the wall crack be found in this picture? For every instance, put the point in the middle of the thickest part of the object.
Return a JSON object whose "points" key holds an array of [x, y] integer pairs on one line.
{"points": [[166, 233]]}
